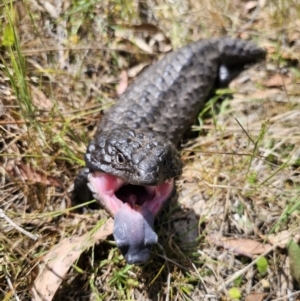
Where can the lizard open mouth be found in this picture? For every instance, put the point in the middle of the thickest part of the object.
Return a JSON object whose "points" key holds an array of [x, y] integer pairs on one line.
{"points": [[133, 208], [112, 192]]}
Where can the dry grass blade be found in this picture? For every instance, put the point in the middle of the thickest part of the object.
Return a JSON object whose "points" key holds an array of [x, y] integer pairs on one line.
{"points": [[15, 226]]}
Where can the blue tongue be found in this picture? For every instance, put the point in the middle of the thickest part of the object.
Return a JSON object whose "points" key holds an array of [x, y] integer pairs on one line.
{"points": [[134, 234]]}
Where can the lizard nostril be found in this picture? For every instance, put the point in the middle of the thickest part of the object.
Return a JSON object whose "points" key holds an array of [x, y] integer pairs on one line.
{"points": [[165, 163]]}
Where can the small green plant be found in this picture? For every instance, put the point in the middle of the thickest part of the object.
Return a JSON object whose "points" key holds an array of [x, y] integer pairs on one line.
{"points": [[238, 281], [289, 209], [252, 177], [234, 293], [210, 105], [294, 256], [8, 39], [262, 265], [122, 281]]}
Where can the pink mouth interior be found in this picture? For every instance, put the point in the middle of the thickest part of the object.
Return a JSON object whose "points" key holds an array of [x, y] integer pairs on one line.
{"points": [[113, 192]]}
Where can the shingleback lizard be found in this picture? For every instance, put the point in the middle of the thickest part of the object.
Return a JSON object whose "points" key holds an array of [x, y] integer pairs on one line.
{"points": [[133, 160]]}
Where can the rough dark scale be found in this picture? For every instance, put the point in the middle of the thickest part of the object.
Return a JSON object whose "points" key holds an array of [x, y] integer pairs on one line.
{"points": [[137, 138]]}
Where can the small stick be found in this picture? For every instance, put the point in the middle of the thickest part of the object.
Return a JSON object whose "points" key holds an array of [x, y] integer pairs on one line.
{"points": [[12, 288], [201, 279], [18, 228], [287, 296], [169, 273]]}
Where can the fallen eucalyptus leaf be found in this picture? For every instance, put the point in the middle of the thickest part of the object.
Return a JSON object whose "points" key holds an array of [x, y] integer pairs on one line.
{"points": [[294, 256], [61, 257]]}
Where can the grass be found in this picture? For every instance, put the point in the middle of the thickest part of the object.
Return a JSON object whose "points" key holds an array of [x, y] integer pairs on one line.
{"points": [[59, 71]]}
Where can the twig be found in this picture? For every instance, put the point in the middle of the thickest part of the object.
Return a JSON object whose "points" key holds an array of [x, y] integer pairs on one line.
{"points": [[287, 296], [12, 288], [18, 228], [200, 278], [170, 260], [169, 274], [244, 130]]}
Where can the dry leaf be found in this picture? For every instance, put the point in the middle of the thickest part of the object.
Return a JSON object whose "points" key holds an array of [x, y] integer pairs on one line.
{"points": [[143, 30], [147, 37], [245, 247], [31, 175], [256, 297], [250, 5], [61, 257], [135, 70], [294, 257], [51, 10], [294, 36], [123, 83], [283, 238], [278, 80], [142, 44]]}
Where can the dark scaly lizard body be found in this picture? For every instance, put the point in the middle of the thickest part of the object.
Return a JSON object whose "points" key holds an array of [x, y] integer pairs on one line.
{"points": [[132, 161]]}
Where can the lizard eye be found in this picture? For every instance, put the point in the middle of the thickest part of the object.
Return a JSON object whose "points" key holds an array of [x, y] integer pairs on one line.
{"points": [[120, 158]]}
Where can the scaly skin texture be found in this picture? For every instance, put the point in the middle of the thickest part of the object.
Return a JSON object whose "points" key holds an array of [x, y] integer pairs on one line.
{"points": [[137, 138], [168, 95], [159, 107], [138, 157]]}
